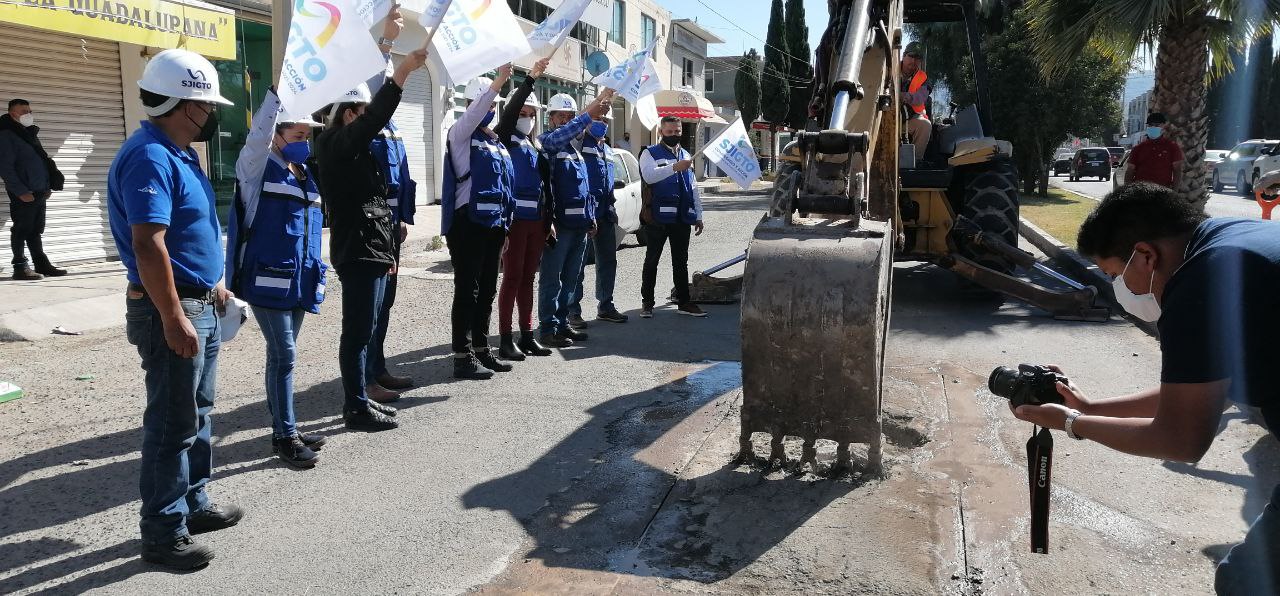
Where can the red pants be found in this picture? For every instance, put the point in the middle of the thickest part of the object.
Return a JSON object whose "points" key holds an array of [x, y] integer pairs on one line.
{"points": [[520, 260]]}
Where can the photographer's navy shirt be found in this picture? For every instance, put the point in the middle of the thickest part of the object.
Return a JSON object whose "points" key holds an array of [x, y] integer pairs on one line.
{"points": [[1221, 313]]}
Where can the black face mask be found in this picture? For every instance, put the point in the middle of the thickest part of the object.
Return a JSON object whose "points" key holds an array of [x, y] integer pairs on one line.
{"points": [[671, 141], [210, 127]]}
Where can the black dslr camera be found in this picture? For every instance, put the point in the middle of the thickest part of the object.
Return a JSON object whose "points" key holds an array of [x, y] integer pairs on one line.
{"points": [[1029, 385]]}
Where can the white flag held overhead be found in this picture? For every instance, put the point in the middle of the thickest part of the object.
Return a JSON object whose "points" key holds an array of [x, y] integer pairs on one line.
{"points": [[732, 151], [627, 72], [473, 36], [556, 27], [647, 112], [644, 85], [329, 52]]}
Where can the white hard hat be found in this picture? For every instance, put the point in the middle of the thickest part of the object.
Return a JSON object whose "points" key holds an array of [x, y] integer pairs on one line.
{"points": [[590, 99], [181, 74], [532, 102], [476, 87], [287, 119], [360, 94], [562, 102]]}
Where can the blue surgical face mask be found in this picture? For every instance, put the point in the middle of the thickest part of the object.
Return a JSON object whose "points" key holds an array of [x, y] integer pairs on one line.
{"points": [[1154, 132], [296, 152], [484, 122], [598, 129]]}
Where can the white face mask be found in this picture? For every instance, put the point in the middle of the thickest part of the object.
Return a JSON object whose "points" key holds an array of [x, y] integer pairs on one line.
{"points": [[27, 119], [524, 125], [1143, 306]]}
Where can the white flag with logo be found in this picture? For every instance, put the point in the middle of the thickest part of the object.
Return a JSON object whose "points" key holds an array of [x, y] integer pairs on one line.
{"points": [[556, 27], [732, 151], [627, 72], [474, 36], [644, 85], [329, 52]]}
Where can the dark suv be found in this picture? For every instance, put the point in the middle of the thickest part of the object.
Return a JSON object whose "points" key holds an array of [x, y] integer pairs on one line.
{"points": [[1094, 161]]}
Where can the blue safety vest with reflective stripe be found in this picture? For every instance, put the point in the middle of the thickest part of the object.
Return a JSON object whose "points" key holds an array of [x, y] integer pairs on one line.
{"points": [[402, 191], [528, 180], [673, 195], [277, 243], [600, 173], [572, 193], [492, 177]]}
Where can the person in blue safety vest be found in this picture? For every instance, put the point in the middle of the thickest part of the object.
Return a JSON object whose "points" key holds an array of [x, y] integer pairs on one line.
{"points": [[673, 209], [598, 157], [528, 234], [274, 261], [161, 209], [478, 202], [361, 238], [389, 151], [572, 213]]}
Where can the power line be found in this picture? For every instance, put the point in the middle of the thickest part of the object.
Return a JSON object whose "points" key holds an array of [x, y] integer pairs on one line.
{"points": [[739, 28]]}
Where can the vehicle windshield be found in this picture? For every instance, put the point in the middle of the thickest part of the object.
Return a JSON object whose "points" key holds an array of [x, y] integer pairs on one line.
{"points": [[1095, 154]]}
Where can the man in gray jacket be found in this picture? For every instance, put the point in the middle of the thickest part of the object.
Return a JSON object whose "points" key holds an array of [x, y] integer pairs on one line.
{"points": [[29, 177]]}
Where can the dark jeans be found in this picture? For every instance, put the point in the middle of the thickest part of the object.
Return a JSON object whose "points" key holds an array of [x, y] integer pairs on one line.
{"points": [[1253, 566], [474, 252], [363, 285], [558, 277], [177, 458], [605, 247], [376, 364], [657, 235], [28, 225]]}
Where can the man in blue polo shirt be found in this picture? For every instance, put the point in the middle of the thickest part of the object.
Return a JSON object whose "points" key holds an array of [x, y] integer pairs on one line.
{"points": [[162, 215]]}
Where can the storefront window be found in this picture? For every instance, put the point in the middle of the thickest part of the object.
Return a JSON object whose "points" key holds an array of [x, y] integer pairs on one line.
{"points": [[244, 82]]}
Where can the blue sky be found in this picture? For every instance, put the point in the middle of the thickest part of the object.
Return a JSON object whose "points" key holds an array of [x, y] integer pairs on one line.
{"points": [[749, 15]]}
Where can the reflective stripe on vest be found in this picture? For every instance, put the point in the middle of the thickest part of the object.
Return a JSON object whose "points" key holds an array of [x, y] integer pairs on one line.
{"points": [[528, 180], [917, 82], [673, 195]]}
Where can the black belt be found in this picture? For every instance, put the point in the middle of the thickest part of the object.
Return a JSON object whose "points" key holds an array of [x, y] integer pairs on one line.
{"points": [[188, 292]]}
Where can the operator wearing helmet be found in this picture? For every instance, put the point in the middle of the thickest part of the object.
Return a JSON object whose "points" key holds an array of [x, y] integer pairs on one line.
{"points": [[598, 157], [273, 258], [478, 204], [528, 233], [162, 217], [572, 213], [914, 89]]}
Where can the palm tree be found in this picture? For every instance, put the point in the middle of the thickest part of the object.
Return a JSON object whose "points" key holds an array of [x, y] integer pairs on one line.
{"points": [[1184, 34]]}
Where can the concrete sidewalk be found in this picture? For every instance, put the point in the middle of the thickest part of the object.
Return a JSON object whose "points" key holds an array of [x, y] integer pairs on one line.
{"points": [[91, 297]]}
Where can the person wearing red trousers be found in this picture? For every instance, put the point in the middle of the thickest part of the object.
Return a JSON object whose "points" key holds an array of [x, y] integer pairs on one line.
{"points": [[529, 233]]}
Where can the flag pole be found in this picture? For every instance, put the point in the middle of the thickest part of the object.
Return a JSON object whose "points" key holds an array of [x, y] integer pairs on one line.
{"points": [[431, 33]]}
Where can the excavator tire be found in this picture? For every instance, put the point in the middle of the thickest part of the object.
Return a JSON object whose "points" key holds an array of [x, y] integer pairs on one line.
{"points": [[991, 201], [786, 184]]}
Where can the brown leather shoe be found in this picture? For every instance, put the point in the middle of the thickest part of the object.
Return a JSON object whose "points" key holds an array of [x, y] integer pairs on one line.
{"points": [[51, 271], [25, 274], [393, 382], [380, 394]]}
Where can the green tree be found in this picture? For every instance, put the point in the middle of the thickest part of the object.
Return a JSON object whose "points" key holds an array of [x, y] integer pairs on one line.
{"points": [[1270, 109], [800, 71], [775, 88], [1181, 32], [1260, 56], [746, 87]]}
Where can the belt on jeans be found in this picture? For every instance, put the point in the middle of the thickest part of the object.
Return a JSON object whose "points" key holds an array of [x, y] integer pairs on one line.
{"points": [[187, 292]]}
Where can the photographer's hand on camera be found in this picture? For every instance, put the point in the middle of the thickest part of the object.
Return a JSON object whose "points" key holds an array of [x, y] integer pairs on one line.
{"points": [[1052, 416]]}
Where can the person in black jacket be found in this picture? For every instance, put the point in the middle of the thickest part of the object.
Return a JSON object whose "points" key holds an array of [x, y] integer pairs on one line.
{"points": [[29, 176], [360, 234]]}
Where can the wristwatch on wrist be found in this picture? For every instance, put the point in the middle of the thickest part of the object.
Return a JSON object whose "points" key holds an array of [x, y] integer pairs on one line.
{"points": [[1071, 418], [382, 41]]}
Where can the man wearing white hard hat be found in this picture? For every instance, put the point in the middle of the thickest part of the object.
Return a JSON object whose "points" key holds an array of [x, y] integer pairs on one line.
{"points": [[478, 202], [598, 157], [274, 261], [162, 217], [362, 245], [572, 214], [528, 234]]}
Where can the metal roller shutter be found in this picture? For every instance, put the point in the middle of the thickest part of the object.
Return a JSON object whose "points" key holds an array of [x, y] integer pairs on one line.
{"points": [[74, 88], [415, 118]]}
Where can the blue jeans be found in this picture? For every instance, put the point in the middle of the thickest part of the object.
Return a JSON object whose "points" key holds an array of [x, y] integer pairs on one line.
{"points": [[280, 328], [363, 285], [558, 278], [605, 245], [1253, 566], [376, 362], [177, 458]]}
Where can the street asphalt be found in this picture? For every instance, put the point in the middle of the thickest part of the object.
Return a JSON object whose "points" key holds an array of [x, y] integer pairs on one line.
{"points": [[1221, 204], [603, 469]]}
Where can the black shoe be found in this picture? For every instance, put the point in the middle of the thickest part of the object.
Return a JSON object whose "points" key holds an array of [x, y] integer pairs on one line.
{"points": [[383, 409], [295, 453], [576, 322], [51, 271], [507, 348], [574, 334], [393, 382], [25, 274], [214, 517], [691, 309], [183, 553], [369, 420], [613, 316], [555, 340], [646, 311], [530, 346], [470, 368], [488, 361], [313, 442]]}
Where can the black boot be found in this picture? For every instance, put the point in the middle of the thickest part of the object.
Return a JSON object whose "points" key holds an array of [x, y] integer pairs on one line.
{"points": [[469, 367], [507, 348], [530, 346], [486, 358], [295, 453]]}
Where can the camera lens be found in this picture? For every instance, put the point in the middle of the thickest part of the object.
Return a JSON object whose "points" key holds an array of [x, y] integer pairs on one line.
{"points": [[1003, 381]]}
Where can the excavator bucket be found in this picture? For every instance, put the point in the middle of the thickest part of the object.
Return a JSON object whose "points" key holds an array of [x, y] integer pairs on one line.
{"points": [[815, 310], [706, 289]]}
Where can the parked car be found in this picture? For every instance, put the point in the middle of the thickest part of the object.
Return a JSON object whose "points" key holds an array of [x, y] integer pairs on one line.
{"points": [[1117, 153], [626, 189], [1061, 165], [1237, 168], [1268, 161], [1093, 161], [1117, 175]]}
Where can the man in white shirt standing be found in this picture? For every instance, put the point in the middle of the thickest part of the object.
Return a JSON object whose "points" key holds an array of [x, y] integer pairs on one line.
{"points": [[672, 210]]}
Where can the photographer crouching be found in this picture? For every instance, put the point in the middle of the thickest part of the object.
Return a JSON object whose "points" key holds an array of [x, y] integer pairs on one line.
{"points": [[1213, 286]]}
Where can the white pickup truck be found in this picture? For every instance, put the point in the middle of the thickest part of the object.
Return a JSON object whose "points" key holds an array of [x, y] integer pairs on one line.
{"points": [[626, 190]]}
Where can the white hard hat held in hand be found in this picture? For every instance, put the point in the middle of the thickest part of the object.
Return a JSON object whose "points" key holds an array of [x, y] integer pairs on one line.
{"points": [[181, 74], [562, 102]]}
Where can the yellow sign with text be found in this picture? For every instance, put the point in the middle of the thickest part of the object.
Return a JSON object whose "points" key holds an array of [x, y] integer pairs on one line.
{"points": [[207, 30]]}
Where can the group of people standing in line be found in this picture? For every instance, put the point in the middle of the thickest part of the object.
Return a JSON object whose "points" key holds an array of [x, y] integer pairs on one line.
{"points": [[513, 196]]}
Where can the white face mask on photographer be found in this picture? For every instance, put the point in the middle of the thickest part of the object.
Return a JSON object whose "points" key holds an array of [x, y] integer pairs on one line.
{"points": [[27, 120], [1143, 306], [524, 125]]}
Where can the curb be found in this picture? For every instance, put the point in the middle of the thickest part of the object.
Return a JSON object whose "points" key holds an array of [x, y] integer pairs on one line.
{"points": [[1081, 269]]}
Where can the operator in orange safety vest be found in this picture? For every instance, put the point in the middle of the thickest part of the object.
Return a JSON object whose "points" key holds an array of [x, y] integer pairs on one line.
{"points": [[914, 89]]}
